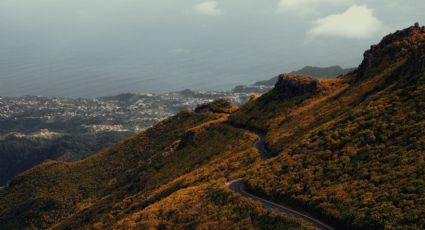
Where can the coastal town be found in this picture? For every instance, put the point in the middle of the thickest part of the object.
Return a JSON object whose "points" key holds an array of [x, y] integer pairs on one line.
{"points": [[121, 113]]}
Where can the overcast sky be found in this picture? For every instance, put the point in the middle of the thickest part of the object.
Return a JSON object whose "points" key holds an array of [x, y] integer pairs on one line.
{"points": [[247, 39]]}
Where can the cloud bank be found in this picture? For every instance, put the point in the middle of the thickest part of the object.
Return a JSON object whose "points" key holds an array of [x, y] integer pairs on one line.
{"points": [[208, 8], [356, 22]]}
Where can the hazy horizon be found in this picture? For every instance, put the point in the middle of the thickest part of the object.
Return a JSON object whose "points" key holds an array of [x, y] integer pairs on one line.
{"points": [[97, 48]]}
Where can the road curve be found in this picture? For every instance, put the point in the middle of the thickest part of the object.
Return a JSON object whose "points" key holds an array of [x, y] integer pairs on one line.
{"points": [[238, 186], [260, 145]]}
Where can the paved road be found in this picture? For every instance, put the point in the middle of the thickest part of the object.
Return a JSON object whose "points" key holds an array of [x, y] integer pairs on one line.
{"points": [[239, 187], [261, 147]]}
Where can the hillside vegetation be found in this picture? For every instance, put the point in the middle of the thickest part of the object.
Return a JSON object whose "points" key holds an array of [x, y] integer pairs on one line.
{"points": [[349, 151], [18, 154], [362, 164]]}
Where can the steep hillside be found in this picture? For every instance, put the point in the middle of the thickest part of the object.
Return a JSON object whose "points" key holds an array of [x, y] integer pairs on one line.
{"points": [[190, 150], [356, 158], [18, 154], [348, 151]]}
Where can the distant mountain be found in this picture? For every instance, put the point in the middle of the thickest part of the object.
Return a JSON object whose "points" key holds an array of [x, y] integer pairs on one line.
{"points": [[343, 152], [332, 71], [266, 85], [325, 72]]}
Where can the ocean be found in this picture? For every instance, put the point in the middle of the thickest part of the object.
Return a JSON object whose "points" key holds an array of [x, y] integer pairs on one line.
{"points": [[108, 74]]}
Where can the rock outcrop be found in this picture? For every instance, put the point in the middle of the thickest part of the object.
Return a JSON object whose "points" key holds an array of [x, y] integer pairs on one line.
{"points": [[292, 85], [217, 106], [393, 48]]}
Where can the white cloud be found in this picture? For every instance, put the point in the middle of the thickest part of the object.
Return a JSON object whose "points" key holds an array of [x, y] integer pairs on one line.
{"points": [[356, 22], [307, 6], [208, 8]]}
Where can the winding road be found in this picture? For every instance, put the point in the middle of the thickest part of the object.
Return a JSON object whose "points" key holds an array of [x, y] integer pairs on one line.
{"points": [[239, 186], [260, 145]]}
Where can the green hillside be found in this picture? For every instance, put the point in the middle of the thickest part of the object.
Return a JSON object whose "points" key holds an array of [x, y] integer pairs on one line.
{"points": [[347, 151]]}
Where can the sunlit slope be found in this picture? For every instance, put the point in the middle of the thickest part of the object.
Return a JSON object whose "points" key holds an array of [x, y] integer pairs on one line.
{"points": [[61, 189], [349, 151], [191, 152], [355, 157]]}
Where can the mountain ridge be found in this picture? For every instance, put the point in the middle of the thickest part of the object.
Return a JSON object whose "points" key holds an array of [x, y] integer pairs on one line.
{"points": [[349, 150]]}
